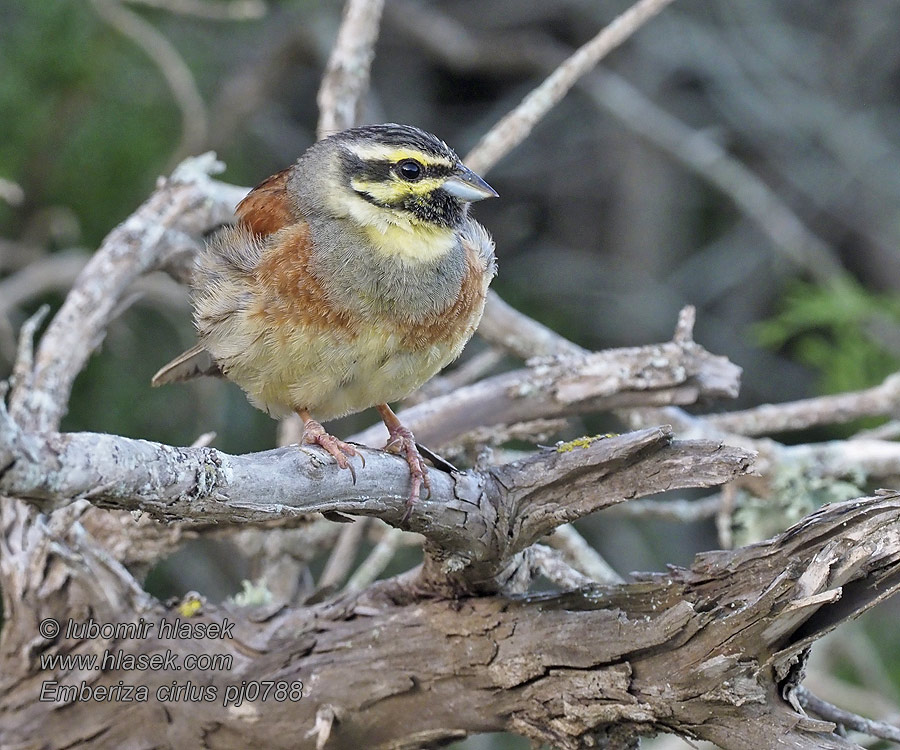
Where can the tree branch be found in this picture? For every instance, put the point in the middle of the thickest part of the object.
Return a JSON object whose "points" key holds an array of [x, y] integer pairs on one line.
{"points": [[346, 77], [183, 207], [476, 521], [677, 372], [515, 126], [697, 652]]}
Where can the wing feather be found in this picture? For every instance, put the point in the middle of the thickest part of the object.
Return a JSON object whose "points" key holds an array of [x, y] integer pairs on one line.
{"points": [[266, 209]]}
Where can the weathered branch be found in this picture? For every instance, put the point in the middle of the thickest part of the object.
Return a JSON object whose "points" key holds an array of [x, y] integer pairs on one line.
{"points": [[696, 652], [346, 77], [677, 372], [183, 208], [767, 419], [475, 522]]}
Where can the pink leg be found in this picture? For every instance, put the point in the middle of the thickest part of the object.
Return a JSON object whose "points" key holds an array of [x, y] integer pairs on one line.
{"points": [[402, 442]]}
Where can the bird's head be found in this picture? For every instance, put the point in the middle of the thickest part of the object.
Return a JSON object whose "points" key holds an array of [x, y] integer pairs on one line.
{"points": [[405, 188]]}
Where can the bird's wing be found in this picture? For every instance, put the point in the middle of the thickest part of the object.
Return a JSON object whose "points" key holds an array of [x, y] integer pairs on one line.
{"points": [[266, 209], [194, 362], [233, 252]]}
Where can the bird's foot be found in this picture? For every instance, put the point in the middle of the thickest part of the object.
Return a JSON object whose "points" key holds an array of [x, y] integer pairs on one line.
{"points": [[315, 434], [403, 443]]}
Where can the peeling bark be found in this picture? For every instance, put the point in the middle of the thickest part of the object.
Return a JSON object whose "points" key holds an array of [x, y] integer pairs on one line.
{"points": [[696, 651]]}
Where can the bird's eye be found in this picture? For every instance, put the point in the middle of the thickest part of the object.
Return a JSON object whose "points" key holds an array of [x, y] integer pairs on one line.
{"points": [[410, 170]]}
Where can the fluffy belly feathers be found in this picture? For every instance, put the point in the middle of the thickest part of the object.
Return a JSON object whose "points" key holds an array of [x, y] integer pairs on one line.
{"points": [[331, 372]]}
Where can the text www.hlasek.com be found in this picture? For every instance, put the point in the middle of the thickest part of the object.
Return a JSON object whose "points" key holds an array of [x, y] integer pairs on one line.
{"points": [[117, 659], [120, 660]]}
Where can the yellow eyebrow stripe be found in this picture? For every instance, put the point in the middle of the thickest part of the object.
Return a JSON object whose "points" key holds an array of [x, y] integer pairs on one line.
{"points": [[394, 190], [384, 152]]}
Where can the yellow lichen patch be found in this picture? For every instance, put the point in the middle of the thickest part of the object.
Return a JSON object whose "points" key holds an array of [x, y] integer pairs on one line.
{"points": [[582, 442], [190, 606]]}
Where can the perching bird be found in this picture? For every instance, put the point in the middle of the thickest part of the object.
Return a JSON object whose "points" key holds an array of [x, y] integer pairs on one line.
{"points": [[349, 279]]}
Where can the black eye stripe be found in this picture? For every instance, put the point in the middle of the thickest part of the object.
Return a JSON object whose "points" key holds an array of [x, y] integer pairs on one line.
{"points": [[380, 169]]}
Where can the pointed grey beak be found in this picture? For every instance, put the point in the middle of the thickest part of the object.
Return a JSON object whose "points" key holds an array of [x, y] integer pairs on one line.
{"points": [[468, 186]]}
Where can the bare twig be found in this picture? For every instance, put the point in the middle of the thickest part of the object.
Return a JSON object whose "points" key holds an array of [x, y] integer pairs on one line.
{"points": [[515, 126], [49, 273], [346, 77], [342, 557], [850, 720], [519, 334], [202, 441], [551, 564], [612, 379], [881, 400], [887, 431], [378, 559], [23, 367], [469, 371], [582, 555]]}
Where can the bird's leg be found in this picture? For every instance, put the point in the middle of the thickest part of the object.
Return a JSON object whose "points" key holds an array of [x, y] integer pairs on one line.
{"points": [[314, 434], [402, 442]]}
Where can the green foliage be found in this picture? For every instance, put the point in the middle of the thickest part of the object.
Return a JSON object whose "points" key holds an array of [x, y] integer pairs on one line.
{"points": [[87, 119], [843, 331]]}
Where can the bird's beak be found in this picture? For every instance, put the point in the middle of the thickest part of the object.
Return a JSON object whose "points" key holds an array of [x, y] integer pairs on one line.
{"points": [[468, 186]]}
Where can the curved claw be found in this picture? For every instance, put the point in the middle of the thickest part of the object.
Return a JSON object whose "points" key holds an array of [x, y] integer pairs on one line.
{"points": [[402, 443], [315, 434]]}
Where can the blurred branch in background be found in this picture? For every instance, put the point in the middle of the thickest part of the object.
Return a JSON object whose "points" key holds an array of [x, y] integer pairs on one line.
{"points": [[515, 127], [214, 10], [346, 78]]}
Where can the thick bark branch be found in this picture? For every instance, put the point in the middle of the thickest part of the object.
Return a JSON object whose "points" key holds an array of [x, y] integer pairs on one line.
{"points": [[699, 652], [476, 522]]}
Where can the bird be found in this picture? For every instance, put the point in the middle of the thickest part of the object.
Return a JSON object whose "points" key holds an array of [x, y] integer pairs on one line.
{"points": [[347, 281]]}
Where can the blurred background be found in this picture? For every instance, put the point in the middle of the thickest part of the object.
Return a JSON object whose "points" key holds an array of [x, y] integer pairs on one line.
{"points": [[741, 157]]}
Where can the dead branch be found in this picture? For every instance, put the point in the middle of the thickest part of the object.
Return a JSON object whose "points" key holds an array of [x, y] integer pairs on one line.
{"points": [[183, 208], [800, 415], [678, 372], [699, 652], [505, 508], [715, 652], [347, 75]]}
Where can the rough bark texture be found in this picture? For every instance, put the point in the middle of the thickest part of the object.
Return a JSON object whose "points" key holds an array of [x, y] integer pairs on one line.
{"points": [[703, 652]]}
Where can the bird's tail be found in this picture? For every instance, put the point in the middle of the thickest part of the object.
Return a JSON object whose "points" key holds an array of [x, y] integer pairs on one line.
{"points": [[193, 363]]}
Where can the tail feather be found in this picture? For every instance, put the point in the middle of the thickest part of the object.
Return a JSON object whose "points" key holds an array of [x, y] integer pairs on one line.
{"points": [[193, 363]]}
